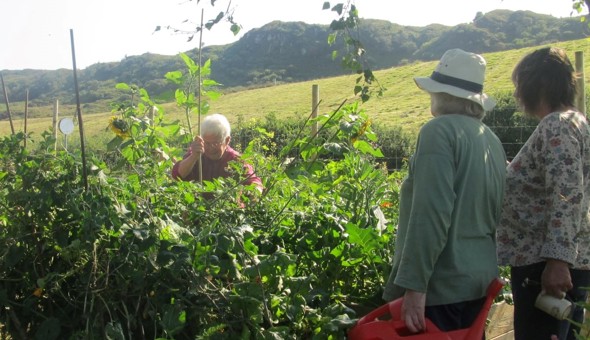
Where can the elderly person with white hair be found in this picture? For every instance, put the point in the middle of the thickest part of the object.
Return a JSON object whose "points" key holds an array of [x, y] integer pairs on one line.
{"points": [[215, 153], [450, 202]]}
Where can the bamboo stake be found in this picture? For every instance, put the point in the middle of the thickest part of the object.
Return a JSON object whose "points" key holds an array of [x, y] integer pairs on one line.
{"points": [[315, 100], [55, 117], [199, 96], [80, 123], [7, 105], [26, 115]]}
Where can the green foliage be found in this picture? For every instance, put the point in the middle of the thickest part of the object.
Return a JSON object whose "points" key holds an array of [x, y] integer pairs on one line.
{"points": [[395, 145], [139, 255], [195, 88], [584, 333], [511, 126], [188, 28], [354, 59]]}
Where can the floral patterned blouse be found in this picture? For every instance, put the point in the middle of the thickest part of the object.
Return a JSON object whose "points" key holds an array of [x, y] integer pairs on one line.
{"points": [[546, 204]]}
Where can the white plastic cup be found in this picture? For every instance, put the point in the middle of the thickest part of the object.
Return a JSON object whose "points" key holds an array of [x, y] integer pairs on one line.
{"points": [[560, 309]]}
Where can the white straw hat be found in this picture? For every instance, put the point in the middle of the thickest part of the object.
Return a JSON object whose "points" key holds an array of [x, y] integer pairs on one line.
{"points": [[460, 74]]}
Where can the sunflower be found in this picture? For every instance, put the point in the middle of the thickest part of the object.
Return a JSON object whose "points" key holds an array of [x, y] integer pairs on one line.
{"points": [[361, 131], [119, 127]]}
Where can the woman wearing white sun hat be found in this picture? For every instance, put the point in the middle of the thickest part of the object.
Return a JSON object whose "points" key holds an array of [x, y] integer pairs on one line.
{"points": [[450, 202]]}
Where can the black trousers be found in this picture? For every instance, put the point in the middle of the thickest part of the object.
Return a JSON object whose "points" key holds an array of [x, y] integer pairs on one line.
{"points": [[456, 315], [531, 322]]}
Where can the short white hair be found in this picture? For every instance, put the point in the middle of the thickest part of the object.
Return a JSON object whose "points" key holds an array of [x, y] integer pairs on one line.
{"points": [[216, 124], [444, 103]]}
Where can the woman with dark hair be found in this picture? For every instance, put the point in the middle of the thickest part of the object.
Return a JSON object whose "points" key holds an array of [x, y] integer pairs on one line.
{"points": [[544, 231]]}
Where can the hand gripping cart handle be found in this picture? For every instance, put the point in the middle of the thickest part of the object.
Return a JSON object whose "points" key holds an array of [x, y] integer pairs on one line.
{"points": [[384, 323]]}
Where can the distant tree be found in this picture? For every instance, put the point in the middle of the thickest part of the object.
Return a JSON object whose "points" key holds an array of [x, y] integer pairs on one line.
{"points": [[478, 16]]}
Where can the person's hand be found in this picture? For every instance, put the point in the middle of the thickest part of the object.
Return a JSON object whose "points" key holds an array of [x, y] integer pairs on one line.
{"points": [[556, 279], [198, 145], [413, 311]]}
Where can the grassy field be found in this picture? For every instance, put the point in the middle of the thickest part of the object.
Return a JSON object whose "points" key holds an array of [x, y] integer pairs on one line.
{"points": [[402, 104]]}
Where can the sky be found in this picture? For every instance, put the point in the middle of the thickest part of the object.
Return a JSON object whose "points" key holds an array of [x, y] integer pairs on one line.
{"points": [[37, 34]]}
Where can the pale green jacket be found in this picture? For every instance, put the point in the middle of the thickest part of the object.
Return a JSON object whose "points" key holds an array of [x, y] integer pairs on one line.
{"points": [[450, 204]]}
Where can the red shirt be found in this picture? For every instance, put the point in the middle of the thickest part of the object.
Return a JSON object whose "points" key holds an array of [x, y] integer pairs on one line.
{"points": [[218, 168]]}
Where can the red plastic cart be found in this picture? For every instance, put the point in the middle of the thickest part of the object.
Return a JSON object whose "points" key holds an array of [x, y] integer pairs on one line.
{"points": [[384, 323]]}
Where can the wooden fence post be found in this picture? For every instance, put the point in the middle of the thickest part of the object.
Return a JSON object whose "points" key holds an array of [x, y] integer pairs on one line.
{"points": [[581, 96], [315, 100], [152, 115]]}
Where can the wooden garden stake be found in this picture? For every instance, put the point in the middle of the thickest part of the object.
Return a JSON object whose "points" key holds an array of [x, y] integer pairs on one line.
{"points": [[7, 105], [80, 123], [55, 116], [199, 96], [581, 93], [315, 103], [26, 115]]}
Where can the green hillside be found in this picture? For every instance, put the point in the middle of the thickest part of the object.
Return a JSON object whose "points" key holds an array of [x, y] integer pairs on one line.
{"points": [[291, 52], [402, 104]]}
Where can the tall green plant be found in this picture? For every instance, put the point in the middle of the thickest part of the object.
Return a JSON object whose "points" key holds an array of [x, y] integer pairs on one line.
{"points": [[354, 59], [193, 85]]}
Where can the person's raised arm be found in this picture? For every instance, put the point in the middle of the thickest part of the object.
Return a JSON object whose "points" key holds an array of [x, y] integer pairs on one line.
{"points": [[186, 165]]}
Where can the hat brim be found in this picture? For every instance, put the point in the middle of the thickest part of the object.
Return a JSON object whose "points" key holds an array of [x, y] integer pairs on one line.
{"points": [[432, 86]]}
